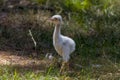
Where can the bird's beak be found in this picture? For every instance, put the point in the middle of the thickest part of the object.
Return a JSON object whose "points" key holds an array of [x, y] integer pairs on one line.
{"points": [[49, 19]]}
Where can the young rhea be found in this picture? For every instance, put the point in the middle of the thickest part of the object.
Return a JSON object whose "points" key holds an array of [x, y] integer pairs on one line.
{"points": [[62, 44]]}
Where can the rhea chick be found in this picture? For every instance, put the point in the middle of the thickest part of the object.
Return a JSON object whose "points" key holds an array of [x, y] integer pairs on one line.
{"points": [[62, 44]]}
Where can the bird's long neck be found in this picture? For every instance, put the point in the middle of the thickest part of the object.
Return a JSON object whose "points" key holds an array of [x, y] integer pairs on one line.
{"points": [[57, 32]]}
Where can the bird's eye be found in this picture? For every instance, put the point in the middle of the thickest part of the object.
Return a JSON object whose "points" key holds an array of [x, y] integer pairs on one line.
{"points": [[55, 19]]}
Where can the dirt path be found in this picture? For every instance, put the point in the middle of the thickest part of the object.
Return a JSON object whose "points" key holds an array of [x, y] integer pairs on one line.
{"points": [[9, 58]]}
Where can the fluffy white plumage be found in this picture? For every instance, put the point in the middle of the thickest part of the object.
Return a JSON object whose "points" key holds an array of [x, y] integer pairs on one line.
{"points": [[63, 44]]}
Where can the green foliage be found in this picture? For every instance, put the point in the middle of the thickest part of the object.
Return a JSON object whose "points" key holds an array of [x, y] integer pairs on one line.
{"points": [[1, 1], [40, 2]]}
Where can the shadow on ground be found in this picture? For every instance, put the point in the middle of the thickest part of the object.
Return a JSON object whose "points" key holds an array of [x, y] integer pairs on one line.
{"points": [[8, 58]]}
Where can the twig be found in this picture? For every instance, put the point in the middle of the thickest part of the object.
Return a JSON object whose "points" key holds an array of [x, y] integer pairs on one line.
{"points": [[35, 44]]}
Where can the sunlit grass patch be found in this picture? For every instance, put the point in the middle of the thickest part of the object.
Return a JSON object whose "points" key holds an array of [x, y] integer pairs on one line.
{"points": [[101, 68]]}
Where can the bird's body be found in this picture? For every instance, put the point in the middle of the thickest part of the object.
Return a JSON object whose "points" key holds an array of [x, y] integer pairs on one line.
{"points": [[62, 44]]}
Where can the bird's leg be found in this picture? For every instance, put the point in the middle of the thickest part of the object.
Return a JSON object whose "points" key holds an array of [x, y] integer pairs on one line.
{"points": [[65, 66], [62, 67]]}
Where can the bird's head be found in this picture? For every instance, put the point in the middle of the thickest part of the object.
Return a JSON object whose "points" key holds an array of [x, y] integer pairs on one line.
{"points": [[56, 19]]}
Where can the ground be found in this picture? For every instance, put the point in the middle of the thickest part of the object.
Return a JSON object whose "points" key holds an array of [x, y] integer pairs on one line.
{"points": [[97, 69], [12, 58]]}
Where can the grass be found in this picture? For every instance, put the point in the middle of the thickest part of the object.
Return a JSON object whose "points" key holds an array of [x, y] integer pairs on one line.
{"points": [[104, 72], [101, 68]]}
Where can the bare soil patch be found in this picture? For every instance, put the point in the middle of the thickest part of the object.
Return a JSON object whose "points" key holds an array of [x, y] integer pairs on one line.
{"points": [[9, 58]]}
